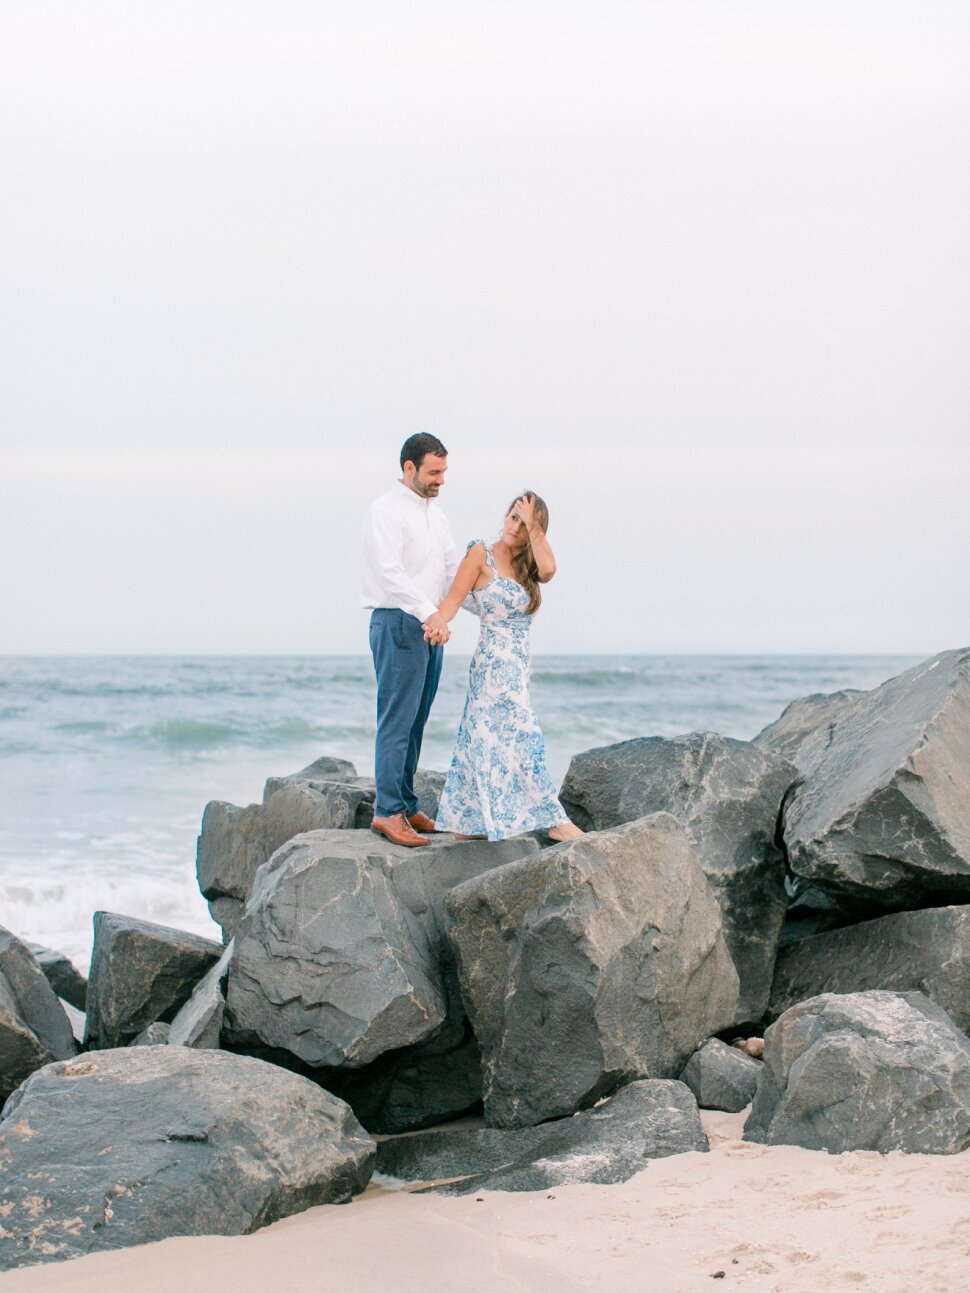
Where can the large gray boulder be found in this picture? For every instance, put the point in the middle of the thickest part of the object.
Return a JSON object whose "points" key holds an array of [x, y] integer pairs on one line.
{"points": [[721, 1076], [600, 1146], [327, 962], [342, 962], [34, 1030], [803, 718], [141, 973], [728, 794], [432, 1081], [130, 1146], [600, 961], [910, 951], [868, 1070], [63, 976], [235, 842], [880, 817]]}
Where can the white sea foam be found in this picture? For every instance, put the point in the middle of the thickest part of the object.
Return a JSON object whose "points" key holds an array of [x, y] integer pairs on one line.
{"points": [[58, 913]]}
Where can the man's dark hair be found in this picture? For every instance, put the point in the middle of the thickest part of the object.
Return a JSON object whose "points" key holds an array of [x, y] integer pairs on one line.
{"points": [[415, 447]]}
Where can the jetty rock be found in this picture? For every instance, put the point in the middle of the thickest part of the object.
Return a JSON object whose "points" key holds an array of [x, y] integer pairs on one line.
{"points": [[880, 816], [341, 961], [926, 951], [199, 1022], [599, 961], [421, 1085], [34, 1029], [721, 1076], [153, 1035], [124, 1147], [326, 795], [63, 976], [804, 718], [600, 1146], [141, 974], [865, 1070], [728, 794]]}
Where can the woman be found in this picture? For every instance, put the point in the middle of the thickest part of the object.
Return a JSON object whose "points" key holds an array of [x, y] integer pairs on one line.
{"points": [[498, 785]]}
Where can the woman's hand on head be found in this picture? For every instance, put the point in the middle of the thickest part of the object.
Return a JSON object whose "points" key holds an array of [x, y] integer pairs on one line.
{"points": [[525, 510]]}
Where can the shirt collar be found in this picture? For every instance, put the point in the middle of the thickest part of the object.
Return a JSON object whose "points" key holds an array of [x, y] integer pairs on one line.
{"points": [[422, 502]]}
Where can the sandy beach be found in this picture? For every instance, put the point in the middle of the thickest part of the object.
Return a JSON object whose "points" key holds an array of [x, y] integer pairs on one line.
{"points": [[781, 1220]]}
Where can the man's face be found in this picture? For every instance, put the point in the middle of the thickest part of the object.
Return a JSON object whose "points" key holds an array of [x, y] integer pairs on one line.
{"points": [[427, 479]]}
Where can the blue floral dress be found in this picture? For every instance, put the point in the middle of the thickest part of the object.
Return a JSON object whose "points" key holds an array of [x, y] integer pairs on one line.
{"points": [[498, 784]]}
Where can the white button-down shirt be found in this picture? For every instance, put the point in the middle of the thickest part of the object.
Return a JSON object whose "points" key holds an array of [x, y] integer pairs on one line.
{"points": [[409, 554]]}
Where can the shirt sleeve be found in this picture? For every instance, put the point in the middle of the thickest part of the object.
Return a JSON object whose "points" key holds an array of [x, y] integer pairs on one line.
{"points": [[384, 548], [451, 556]]}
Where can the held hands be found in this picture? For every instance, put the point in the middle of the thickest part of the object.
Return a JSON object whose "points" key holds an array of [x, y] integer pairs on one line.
{"points": [[436, 630]]}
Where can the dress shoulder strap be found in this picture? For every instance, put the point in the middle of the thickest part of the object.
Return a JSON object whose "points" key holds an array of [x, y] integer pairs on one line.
{"points": [[488, 551]]}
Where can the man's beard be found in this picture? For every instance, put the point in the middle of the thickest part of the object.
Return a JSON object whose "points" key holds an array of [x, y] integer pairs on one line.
{"points": [[426, 490]]}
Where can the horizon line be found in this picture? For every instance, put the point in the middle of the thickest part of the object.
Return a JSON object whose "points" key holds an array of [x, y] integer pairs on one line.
{"points": [[365, 655]]}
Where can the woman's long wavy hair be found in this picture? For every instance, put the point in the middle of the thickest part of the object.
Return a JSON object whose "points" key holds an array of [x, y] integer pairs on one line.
{"points": [[523, 560]]}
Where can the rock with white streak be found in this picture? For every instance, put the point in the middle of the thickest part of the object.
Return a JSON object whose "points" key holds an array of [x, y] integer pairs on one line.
{"points": [[600, 1146]]}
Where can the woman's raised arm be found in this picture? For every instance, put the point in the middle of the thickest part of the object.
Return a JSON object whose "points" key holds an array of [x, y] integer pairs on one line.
{"points": [[545, 558]]}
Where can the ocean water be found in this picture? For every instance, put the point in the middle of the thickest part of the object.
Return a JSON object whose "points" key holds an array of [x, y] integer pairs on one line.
{"points": [[106, 763]]}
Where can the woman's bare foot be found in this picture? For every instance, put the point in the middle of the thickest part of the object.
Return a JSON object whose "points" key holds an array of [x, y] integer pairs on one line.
{"points": [[567, 831]]}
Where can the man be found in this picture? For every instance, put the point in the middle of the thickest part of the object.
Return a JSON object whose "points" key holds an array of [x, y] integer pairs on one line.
{"points": [[409, 563]]}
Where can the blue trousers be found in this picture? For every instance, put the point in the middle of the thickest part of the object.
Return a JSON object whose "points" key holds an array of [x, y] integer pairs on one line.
{"points": [[407, 669]]}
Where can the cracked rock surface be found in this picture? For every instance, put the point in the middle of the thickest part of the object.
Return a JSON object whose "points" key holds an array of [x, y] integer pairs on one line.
{"points": [[33, 1026], [601, 1146], [728, 794], [234, 842], [141, 974], [880, 816], [926, 951], [124, 1147], [867, 1070], [341, 961], [600, 961]]}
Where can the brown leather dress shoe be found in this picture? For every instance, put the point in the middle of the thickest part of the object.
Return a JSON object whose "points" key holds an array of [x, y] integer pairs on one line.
{"points": [[398, 830], [422, 822]]}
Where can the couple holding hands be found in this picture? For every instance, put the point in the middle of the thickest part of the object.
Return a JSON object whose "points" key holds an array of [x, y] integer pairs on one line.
{"points": [[498, 785]]}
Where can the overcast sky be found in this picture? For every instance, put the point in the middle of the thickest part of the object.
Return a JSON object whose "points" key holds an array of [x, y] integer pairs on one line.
{"points": [[696, 272]]}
